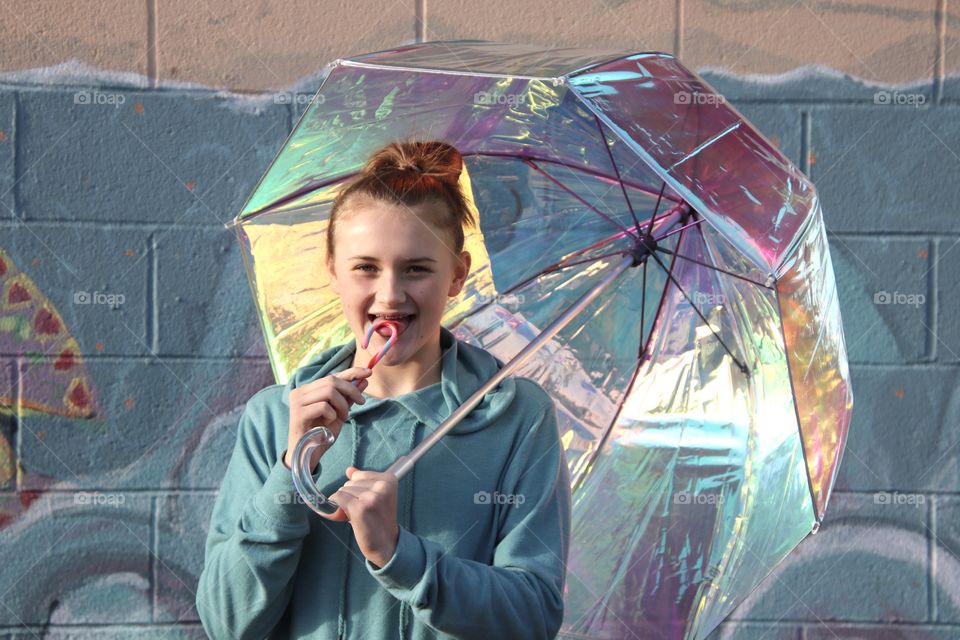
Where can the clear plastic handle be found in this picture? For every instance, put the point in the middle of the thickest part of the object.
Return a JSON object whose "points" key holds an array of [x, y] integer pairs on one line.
{"points": [[303, 480], [322, 437]]}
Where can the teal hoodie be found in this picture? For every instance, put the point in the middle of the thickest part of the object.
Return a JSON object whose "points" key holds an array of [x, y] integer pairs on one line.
{"points": [[484, 517]]}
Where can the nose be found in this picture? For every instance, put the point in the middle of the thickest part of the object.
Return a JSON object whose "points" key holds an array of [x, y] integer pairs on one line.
{"points": [[390, 292]]}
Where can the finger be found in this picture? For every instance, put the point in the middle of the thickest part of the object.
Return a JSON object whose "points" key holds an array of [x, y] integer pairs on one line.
{"points": [[347, 499], [322, 411], [360, 474], [351, 390], [325, 394], [353, 372], [337, 516]]}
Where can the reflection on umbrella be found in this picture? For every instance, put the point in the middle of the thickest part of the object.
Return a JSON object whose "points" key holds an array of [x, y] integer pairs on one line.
{"points": [[646, 256]]}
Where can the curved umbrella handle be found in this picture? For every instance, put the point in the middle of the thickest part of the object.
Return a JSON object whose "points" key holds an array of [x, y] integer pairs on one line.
{"points": [[302, 479]]}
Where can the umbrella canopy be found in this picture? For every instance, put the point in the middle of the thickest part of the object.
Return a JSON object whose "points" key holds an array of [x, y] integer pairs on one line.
{"points": [[703, 398]]}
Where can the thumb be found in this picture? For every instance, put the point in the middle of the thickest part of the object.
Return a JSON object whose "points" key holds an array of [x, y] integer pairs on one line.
{"points": [[350, 471]]}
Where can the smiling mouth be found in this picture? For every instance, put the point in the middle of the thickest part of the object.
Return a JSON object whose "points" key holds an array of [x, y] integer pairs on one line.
{"points": [[402, 322]]}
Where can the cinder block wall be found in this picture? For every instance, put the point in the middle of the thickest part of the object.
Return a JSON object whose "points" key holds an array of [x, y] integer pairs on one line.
{"points": [[131, 130]]}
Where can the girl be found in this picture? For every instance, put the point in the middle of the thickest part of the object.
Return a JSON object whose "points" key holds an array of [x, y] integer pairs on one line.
{"points": [[472, 543]]}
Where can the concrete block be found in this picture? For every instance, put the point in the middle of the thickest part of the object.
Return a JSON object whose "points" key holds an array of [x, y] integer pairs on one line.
{"points": [[892, 41], [620, 25], [270, 48], [105, 155], [886, 299], [204, 300], [81, 558], [111, 35], [948, 300], [886, 167], [163, 424], [183, 523], [95, 278], [904, 434], [946, 559]]}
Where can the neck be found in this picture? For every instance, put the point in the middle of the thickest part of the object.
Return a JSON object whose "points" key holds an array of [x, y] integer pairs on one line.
{"points": [[420, 370]]}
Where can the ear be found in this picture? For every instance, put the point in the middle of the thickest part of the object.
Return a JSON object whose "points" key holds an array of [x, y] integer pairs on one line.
{"points": [[461, 269], [333, 276]]}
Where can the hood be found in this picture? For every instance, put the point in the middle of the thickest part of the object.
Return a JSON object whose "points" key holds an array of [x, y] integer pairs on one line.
{"points": [[464, 368]]}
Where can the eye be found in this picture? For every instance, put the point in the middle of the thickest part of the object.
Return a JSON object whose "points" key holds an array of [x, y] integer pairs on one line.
{"points": [[367, 267]]}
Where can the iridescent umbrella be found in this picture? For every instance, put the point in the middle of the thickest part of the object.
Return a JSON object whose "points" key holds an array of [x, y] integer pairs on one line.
{"points": [[662, 270]]}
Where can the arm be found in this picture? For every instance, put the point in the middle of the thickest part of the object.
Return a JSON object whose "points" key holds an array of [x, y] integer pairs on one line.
{"points": [[521, 594], [254, 541]]}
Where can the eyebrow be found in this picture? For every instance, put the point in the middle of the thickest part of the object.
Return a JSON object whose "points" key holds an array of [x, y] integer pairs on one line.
{"points": [[373, 259]]}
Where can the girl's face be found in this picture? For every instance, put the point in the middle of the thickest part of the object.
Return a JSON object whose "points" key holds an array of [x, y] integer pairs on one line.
{"points": [[388, 260]]}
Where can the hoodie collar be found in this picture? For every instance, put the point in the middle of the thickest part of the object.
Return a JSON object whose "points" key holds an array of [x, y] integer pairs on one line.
{"points": [[464, 368]]}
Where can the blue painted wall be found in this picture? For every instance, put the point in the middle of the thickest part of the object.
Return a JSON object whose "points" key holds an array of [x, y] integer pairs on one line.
{"points": [[102, 522]]}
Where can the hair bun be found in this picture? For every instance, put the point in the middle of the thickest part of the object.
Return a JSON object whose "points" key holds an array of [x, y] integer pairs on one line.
{"points": [[433, 158]]}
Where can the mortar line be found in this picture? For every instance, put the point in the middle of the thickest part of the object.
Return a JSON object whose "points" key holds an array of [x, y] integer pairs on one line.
{"points": [[18, 216], [420, 21], [152, 302], [17, 416], [940, 25], [154, 548], [152, 26], [934, 604], [933, 295], [805, 140], [678, 32]]}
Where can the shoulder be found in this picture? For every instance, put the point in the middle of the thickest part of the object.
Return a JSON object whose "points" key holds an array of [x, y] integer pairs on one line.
{"points": [[267, 397], [530, 393], [532, 405], [262, 411]]}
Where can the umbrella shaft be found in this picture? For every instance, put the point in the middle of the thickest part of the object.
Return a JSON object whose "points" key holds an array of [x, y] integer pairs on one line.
{"points": [[403, 464]]}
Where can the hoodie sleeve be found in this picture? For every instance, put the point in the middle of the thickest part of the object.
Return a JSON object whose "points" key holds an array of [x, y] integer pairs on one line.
{"points": [[521, 594], [254, 540]]}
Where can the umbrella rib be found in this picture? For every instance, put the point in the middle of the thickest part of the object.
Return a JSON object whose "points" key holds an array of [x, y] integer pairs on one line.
{"points": [[742, 366], [643, 306], [644, 347], [656, 207], [616, 170], [320, 184], [563, 265], [710, 266], [577, 196], [551, 269], [683, 228], [543, 159]]}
